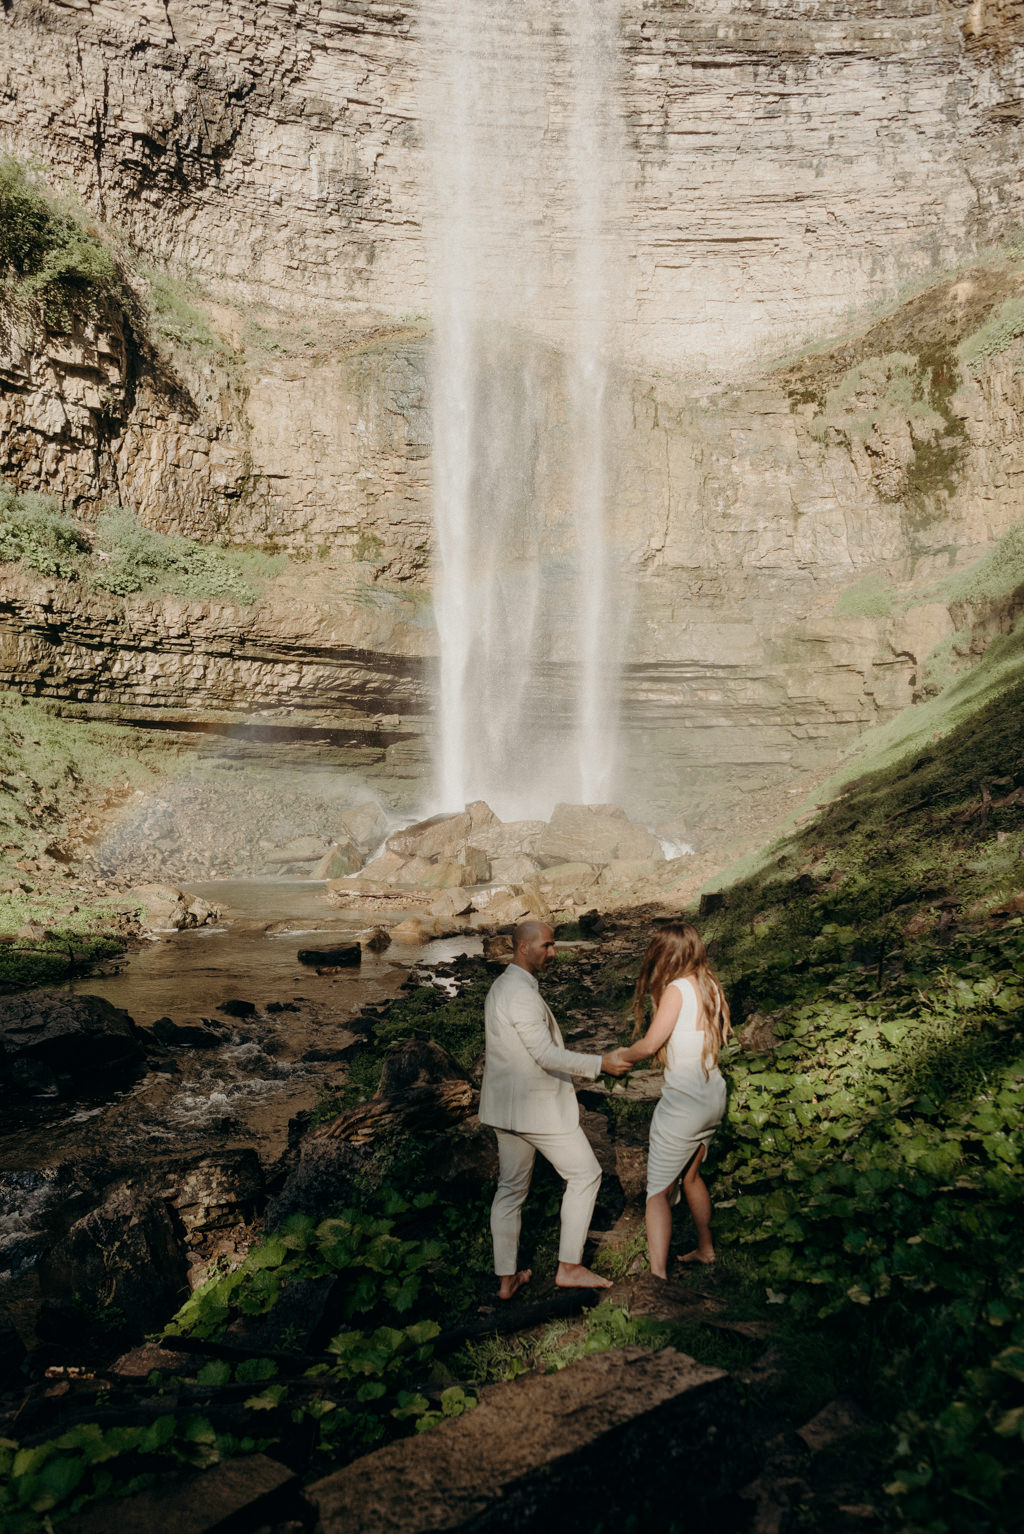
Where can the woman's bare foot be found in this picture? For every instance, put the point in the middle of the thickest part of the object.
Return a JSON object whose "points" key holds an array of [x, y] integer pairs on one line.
{"points": [[573, 1275], [511, 1283], [707, 1258]]}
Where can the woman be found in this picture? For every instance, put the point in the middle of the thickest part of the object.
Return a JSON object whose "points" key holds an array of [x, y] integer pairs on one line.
{"points": [[689, 1027]]}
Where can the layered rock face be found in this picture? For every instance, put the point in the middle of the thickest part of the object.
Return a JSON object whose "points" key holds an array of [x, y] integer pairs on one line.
{"points": [[786, 166], [785, 163]]}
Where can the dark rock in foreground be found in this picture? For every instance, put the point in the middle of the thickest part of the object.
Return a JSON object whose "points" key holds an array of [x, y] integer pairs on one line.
{"points": [[50, 1040], [239, 1493], [125, 1256], [333, 958], [610, 1436]]}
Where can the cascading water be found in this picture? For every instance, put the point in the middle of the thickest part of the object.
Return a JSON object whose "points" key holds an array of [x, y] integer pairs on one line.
{"points": [[523, 137]]}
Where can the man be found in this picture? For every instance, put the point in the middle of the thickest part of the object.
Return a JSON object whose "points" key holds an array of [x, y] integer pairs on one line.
{"points": [[527, 1097]]}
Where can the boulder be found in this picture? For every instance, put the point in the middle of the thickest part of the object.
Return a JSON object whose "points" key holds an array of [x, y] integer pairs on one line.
{"points": [[366, 825], [504, 905], [476, 863], [507, 839], [442, 836], [621, 873], [561, 880], [324, 1178], [250, 1492], [339, 861], [498, 947], [377, 940], [166, 909], [593, 833], [517, 868], [345, 956], [449, 904], [301, 849], [123, 1261], [50, 1035], [380, 870], [187, 1035], [416, 929]]}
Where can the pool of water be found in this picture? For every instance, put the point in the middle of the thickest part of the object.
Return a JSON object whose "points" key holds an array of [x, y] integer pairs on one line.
{"points": [[245, 1091]]}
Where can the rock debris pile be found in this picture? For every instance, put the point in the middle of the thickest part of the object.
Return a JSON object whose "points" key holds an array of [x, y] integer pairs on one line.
{"points": [[473, 870]]}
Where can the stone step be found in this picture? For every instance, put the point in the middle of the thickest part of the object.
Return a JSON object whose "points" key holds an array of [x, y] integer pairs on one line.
{"points": [[236, 1495], [602, 1439]]}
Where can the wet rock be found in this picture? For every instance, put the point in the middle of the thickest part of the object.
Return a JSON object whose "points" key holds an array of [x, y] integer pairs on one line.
{"points": [[498, 947], [568, 1449], [334, 958], [123, 1264], [139, 1363], [378, 940], [186, 1035], [338, 862], [366, 825], [324, 1178], [49, 1038], [214, 1192], [233, 1008]]}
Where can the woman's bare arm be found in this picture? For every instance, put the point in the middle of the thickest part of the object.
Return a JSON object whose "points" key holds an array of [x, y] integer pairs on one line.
{"points": [[662, 1023]]}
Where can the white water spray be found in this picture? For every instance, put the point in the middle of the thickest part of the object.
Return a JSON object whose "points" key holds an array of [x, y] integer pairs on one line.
{"points": [[522, 129]]}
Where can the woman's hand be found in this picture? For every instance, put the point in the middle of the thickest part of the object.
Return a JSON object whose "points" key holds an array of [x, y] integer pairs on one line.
{"points": [[616, 1062]]}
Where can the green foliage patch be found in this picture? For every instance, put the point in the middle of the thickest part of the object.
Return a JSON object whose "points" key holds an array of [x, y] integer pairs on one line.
{"points": [[49, 255], [996, 336], [35, 532], [131, 558], [122, 556], [868, 598]]}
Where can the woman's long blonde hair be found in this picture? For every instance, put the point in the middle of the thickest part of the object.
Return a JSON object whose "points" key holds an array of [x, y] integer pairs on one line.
{"points": [[677, 950]]}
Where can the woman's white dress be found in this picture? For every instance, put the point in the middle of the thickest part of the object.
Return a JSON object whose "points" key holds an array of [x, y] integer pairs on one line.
{"points": [[691, 1107]]}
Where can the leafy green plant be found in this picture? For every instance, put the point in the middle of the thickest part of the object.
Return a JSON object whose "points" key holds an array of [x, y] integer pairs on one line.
{"points": [[46, 1482], [34, 530], [131, 557]]}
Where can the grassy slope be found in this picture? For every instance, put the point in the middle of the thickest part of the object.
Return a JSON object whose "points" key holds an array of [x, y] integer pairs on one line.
{"points": [[56, 776]]}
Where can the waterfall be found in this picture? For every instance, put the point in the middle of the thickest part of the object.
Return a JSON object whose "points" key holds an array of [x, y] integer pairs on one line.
{"points": [[524, 154]]}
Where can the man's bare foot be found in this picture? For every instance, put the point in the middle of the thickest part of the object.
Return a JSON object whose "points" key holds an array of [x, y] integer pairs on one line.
{"points": [[511, 1283], [573, 1275], [706, 1258]]}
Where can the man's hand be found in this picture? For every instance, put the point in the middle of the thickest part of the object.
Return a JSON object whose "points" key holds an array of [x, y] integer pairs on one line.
{"points": [[615, 1064]]}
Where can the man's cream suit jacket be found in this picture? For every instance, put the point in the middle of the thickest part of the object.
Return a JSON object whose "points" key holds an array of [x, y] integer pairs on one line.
{"points": [[528, 1072]]}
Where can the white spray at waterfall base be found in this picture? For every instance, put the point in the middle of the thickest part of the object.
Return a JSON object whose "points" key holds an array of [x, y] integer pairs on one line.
{"points": [[525, 152]]}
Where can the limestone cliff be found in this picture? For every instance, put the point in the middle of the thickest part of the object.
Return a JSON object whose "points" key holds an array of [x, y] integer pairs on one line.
{"points": [[787, 162]]}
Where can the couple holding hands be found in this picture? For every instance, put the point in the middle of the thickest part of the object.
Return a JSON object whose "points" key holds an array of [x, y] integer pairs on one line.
{"points": [[528, 1098]]}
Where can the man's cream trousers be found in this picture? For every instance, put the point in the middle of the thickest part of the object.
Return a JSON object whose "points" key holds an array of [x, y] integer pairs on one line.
{"points": [[572, 1158]]}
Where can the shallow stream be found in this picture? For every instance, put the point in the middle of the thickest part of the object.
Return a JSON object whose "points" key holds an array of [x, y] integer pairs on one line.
{"points": [[272, 1065]]}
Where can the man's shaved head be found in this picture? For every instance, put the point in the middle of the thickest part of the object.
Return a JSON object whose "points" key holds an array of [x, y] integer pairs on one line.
{"points": [[525, 932], [533, 945]]}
